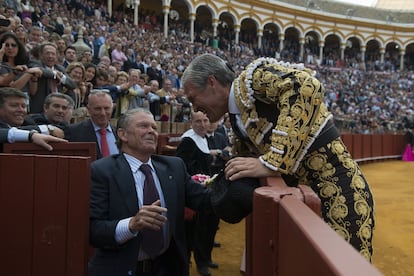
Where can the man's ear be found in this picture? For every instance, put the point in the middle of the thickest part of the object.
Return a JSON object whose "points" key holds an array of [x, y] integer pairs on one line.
{"points": [[211, 80], [122, 135]]}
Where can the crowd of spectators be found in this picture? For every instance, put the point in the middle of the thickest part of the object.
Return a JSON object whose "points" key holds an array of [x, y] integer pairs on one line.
{"points": [[362, 101]]}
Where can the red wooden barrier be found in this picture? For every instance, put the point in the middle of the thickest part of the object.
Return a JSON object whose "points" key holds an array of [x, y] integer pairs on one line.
{"points": [[366, 146], [67, 149], [369, 147], [262, 229], [308, 245], [399, 143], [167, 143], [347, 139], [376, 145], [44, 203], [387, 145], [357, 146], [286, 236]]}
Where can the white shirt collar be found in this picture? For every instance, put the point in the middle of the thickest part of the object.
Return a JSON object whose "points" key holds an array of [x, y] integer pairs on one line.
{"points": [[201, 142], [233, 109], [135, 164]]}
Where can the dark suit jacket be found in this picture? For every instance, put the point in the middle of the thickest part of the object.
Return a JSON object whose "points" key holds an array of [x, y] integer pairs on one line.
{"points": [[113, 197], [155, 74], [40, 119], [219, 142], [155, 106], [84, 132], [197, 162], [4, 132], [28, 124], [43, 86], [221, 129]]}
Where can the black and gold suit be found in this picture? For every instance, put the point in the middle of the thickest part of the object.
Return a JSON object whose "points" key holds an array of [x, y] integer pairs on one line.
{"points": [[289, 127]]}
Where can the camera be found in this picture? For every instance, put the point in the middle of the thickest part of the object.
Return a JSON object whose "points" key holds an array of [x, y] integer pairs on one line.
{"points": [[4, 22]]}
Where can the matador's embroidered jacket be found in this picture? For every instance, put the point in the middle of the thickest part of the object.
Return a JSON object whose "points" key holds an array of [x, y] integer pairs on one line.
{"points": [[282, 111]]}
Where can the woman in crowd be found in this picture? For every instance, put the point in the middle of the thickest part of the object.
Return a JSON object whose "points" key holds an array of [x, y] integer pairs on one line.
{"points": [[21, 34], [14, 71], [76, 71], [90, 72]]}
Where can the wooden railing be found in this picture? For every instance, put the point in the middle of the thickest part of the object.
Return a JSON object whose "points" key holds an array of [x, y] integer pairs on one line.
{"points": [[44, 198], [286, 236], [168, 142], [63, 149], [372, 147], [44, 207]]}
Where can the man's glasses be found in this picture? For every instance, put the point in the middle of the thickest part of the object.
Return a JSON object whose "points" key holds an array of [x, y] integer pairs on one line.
{"points": [[11, 45]]}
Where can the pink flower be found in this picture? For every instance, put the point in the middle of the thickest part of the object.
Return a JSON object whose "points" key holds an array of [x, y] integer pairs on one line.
{"points": [[201, 178]]}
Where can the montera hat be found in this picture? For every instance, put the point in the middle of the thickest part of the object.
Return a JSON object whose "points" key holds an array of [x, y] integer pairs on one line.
{"points": [[232, 200]]}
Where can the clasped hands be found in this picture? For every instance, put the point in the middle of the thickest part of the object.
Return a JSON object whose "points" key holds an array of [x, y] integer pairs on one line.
{"points": [[148, 217]]}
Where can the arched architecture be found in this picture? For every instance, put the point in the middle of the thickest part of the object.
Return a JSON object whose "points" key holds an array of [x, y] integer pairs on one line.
{"points": [[318, 31]]}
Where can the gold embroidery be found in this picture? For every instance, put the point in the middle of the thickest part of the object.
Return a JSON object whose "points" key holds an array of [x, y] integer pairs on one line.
{"points": [[316, 167], [302, 112]]}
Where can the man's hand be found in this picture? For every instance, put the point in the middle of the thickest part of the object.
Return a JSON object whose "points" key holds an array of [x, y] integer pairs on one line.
{"points": [[147, 89], [240, 167], [43, 140], [148, 217], [126, 86], [55, 131], [35, 71]]}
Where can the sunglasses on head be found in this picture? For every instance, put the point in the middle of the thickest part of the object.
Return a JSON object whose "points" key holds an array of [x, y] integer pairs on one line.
{"points": [[13, 45]]}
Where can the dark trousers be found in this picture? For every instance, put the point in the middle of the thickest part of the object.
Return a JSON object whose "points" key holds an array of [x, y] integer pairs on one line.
{"points": [[166, 264], [190, 229], [204, 235]]}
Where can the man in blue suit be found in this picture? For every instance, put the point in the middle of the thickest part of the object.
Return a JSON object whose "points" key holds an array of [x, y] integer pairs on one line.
{"points": [[118, 217]]}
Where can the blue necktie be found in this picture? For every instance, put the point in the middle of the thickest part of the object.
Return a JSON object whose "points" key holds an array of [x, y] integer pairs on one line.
{"points": [[152, 241]]}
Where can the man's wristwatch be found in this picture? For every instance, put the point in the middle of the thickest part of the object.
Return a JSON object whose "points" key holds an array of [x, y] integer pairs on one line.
{"points": [[51, 129], [30, 137]]}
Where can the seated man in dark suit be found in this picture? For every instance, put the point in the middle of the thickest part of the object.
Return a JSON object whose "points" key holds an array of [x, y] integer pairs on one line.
{"points": [[13, 112], [14, 125], [122, 218], [97, 128], [54, 110]]}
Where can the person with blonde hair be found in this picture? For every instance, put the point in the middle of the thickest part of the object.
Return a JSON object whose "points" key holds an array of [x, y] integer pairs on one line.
{"points": [[76, 71]]}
